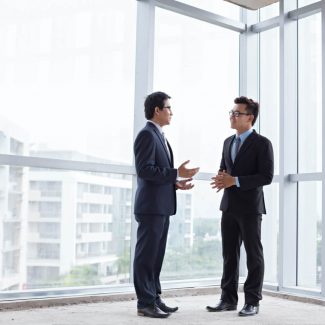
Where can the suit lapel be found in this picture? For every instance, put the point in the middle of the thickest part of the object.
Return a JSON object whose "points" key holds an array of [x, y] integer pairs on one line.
{"points": [[228, 149], [163, 143]]}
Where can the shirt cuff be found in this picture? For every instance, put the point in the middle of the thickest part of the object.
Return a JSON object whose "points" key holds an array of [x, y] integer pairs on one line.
{"points": [[237, 182]]}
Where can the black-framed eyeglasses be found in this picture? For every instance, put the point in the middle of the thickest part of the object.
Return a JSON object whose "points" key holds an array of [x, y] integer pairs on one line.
{"points": [[168, 107], [237, 114]]}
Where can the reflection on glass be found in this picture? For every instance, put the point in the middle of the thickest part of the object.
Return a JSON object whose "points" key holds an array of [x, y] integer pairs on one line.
{"points": [[64, 228], [198, 65], [269, 89], [194, 242], [270, 232], [67, 77], [218, 7], [310, 95], [309, 234]]}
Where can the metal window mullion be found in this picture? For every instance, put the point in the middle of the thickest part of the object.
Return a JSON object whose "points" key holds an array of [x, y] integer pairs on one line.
{"points": [[265, 25], [200, 14], [51, 163], [248, 76], [288, 147], [305, 11], [323, 151], [144, 65]]}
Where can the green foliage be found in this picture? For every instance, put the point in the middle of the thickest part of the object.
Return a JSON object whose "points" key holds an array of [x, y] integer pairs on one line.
{"points": [[81, 276]]}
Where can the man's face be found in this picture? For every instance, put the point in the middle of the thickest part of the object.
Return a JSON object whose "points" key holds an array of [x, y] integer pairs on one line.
{"points": [[240, 120], [164, 116]]}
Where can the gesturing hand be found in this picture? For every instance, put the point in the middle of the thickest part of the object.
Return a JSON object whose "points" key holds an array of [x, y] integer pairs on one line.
{"points": [[185, 172], [184, 184]]}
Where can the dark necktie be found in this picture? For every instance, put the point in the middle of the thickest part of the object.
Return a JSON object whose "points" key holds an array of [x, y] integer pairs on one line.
{"points": [[236, 148]]}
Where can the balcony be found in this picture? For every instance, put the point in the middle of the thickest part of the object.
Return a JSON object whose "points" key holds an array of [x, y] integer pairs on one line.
{"points": [[95, 217], [49, 196], [94, 237], [96, 198], [35, 237]]}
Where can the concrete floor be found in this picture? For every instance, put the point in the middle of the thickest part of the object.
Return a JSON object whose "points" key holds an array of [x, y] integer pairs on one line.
{"points": [[273, 311]]}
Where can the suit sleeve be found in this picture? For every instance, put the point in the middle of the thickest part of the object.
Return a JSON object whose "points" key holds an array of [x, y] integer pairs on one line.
{"points": [[223, 163], [145, 161], [265, 169]]}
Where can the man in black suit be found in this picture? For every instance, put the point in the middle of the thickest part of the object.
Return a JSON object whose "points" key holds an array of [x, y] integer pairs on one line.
{"points": [[246, 166], [155, 201]]}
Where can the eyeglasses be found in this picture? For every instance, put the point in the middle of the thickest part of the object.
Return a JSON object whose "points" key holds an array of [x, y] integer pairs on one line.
{"points": [[169, 107], [237, 114]]}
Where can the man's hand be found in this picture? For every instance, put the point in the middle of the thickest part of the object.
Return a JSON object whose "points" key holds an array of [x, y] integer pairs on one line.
{"points": [[185, 172], [184, 184], [222, 180]]}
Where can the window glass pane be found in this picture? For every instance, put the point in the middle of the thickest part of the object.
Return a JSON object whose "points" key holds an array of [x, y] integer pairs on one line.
{"points": [[197, 64], [270, 232], [59, 232], [302, 3], [269, 90], [194, 242], [219, 7], [309, 234], [310, 95], [67, 78], [269, 11]]}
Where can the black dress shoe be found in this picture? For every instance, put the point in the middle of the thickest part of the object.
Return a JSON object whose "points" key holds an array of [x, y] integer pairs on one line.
{"points": [[153, 312], [249, 310], [222, 306], [162, 306]]}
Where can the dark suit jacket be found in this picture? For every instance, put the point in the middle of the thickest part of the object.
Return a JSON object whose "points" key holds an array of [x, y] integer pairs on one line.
{"points": [[254, 167], [156, 175]]}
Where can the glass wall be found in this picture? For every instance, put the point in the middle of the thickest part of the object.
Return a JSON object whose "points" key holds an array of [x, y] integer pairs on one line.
{"points": [[309, 234], [219, 7], [194, 244], [64, 228], [302, 3], [68, 83], [269, 90], [269, 11], [202, 81], [310, 151], [67, 77], [310, 95]]}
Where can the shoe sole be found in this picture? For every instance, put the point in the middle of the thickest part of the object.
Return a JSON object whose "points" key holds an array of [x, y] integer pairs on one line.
{"points": [[221, 310], [246, 315], [145, 315]]}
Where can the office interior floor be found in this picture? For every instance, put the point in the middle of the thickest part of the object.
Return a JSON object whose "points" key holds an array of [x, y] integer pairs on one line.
{"points": [[273, 310]]}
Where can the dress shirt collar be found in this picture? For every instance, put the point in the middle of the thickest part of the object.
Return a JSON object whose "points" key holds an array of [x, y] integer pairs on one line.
{"points": [[157, 126]]}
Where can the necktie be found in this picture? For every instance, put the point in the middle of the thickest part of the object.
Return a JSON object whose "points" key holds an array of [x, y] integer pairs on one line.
{"points": [[236, 148], [163, 135]]}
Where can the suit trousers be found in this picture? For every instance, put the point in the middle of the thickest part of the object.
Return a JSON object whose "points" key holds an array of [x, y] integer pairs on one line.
{"points": [[235, 229], [149, 255]]}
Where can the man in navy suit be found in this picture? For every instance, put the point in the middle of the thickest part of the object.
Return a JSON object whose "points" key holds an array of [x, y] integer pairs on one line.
{"points": [[246, 166], [155, 201]]}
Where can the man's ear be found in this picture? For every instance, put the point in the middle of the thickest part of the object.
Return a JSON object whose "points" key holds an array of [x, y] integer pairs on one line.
{"points": [[157, 110]]}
